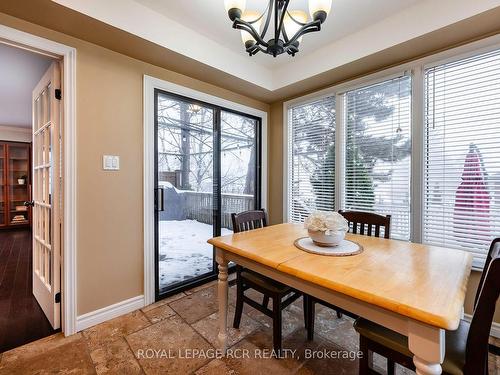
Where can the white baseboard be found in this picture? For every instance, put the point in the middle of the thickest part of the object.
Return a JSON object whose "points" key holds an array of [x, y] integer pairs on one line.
{"points": [[495, 327], [109, 312]]}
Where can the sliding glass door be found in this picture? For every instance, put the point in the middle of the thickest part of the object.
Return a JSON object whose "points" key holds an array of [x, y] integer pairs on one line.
{"points": [[207, 166]]}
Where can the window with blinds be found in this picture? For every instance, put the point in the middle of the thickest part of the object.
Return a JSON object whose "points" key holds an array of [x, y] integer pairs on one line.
{"points": [[311, 158], [461, 207], [378, 151]]}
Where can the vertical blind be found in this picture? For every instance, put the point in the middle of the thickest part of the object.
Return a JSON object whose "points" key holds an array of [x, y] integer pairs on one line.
{"points": [[311, 158], [377, 152], [461, 207]]}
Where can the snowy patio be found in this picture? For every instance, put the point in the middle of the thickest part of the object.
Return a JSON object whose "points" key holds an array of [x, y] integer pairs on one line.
{"points": [[184, 252]]}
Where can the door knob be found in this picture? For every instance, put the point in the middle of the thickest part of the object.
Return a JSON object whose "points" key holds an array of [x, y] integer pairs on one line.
{"points": [[29, 203]]}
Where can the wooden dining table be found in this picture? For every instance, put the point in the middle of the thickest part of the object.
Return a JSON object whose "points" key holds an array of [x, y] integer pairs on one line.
{"points": [[416, 290]]}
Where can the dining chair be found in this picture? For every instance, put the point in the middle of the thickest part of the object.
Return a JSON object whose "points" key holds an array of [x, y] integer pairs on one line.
{"points": [[270, 289], [365, 223], [466, 349]]}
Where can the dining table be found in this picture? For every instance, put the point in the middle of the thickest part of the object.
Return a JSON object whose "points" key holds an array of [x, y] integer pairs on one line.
{"points": [[414, 289]]}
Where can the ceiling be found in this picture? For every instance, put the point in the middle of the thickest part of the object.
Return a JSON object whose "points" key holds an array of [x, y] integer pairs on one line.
{"points": [[200, 31], [20, 71], [210, 19]]}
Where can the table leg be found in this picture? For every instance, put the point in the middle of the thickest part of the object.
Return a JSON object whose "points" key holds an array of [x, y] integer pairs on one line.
{"points": [[427, 344], [222, 297]]}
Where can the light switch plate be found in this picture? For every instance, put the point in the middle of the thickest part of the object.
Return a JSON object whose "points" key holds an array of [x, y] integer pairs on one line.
{"points": [[110, 162]]}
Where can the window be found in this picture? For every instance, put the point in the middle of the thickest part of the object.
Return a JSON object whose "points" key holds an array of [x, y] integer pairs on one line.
{"points": [[422, 147], [311, 159], [461, 207], [377, 151]]}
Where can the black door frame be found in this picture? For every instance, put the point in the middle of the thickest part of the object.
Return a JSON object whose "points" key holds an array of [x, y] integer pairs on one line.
{"points": [[216, 202]]}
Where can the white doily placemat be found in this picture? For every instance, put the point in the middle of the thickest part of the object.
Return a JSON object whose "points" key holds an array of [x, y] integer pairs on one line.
{"points": [[345, 248]]}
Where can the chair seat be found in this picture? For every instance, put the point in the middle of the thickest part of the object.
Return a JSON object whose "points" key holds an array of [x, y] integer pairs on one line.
{"points": [[265, 282], [454, 360]]}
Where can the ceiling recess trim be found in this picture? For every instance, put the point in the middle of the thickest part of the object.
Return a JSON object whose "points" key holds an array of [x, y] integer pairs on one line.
{"points": [[419, 19]]}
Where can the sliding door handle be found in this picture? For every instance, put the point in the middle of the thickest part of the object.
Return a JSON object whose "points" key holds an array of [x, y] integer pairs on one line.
{"points": [[160, 203]]}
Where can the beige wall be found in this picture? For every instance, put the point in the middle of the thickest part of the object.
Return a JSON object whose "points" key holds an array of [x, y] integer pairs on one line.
{"points": [[109, 121], [275, 157]]}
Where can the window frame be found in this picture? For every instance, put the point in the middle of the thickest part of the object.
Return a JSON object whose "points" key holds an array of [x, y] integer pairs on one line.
{"points": [[217, 109], [343, 143], [416, 68]]}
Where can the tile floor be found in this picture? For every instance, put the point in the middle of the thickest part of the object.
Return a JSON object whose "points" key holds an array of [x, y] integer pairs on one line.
{"points": [[188, 320]]}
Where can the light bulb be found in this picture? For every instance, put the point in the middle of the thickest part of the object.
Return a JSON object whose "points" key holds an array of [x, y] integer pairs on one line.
{"points": [[291, 27], [250, 16], [234, 8], [319, 9]]}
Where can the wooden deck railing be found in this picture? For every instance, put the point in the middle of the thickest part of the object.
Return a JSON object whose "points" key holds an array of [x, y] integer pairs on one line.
{"points": [[199, 206]]}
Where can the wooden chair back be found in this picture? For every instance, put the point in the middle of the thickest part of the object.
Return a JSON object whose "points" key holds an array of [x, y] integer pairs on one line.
{"points": [[367, 220], [476, 358], [492, 253], [249, 220]]}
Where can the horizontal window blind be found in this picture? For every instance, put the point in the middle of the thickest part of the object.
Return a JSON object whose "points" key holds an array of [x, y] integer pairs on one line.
{"points": [[311, 158], [377, 152], [462, 154]]}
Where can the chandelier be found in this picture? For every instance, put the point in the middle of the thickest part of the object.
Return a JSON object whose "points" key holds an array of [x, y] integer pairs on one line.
{"points": [[289, 25]]}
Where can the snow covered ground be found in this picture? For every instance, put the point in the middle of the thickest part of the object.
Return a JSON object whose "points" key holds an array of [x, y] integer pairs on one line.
{"points": [[184, 251]]}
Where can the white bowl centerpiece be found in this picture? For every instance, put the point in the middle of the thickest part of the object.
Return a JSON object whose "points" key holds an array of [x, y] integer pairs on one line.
{"points": [[326, 228]]}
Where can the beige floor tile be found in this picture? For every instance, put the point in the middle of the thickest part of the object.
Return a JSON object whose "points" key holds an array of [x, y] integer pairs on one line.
{"points": [[170, 339], [493, 364], [340, 332], [292, 318], [197, 306], [39, 347], [209, 327], [115, 358], [326, 321], [259, 360], [164, 301], [329, 358], [201, 287], [120, 346], [159, 314], [71, 357], [216, 367], [113, 329]]}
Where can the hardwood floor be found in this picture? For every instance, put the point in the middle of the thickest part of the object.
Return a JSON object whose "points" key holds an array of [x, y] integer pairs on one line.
{"points": [[21, 318]]}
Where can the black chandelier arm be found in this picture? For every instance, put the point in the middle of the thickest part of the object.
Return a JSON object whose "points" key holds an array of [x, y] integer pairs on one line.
{"points": [[306, 29], [252, 50], [292, 49], [268, 18], [300, 31], [294, 20], [244, 25], [283, 12], [285, 36]]}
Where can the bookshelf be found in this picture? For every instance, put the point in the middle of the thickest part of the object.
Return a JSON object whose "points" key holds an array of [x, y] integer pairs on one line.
{"points": [[15, 187]]}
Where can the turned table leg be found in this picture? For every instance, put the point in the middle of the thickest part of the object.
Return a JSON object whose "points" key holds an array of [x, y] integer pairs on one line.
{"points": [[222, 297], [427, 344]]}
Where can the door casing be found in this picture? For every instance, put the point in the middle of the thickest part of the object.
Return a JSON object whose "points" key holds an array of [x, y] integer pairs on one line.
{"points": [[17, 38]]}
